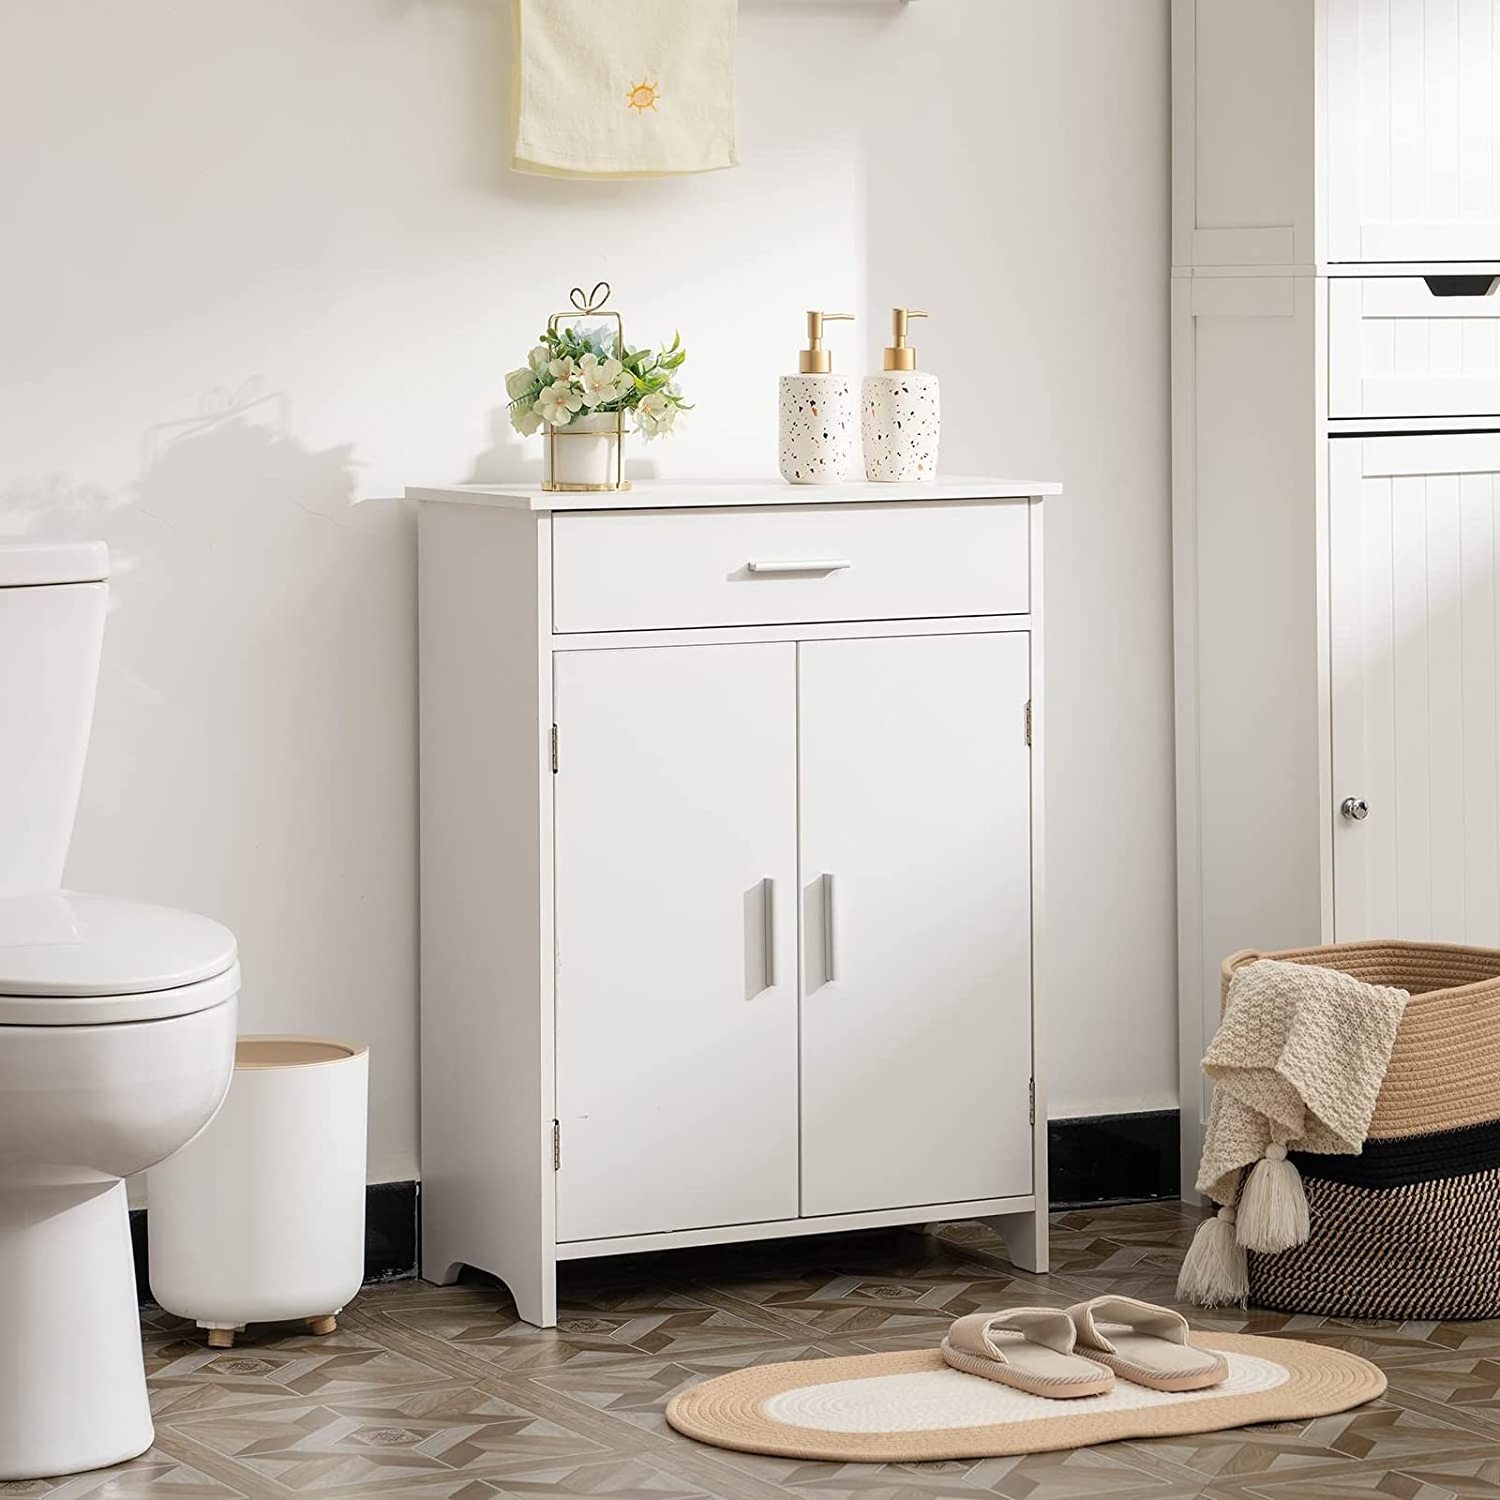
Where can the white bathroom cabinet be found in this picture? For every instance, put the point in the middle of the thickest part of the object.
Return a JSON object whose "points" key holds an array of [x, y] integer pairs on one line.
{"points": [[1336, 436], [731, 876]]}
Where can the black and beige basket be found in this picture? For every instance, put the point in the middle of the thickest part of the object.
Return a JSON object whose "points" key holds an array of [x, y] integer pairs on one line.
{"points": [[1410, 1228]]}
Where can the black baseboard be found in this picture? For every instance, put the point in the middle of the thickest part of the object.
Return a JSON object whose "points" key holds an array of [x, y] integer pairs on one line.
{"points": [[392, 1213], [1114, 1159], [391, 1210], [1101, 1159]]}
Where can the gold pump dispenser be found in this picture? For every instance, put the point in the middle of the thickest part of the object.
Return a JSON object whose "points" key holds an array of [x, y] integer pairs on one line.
{"points": [[815, 359], [901, 412], [819, 419], [900, 355]]}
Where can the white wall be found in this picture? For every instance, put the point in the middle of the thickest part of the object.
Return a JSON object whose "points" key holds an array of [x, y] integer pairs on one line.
{"points": [[262, 265]]}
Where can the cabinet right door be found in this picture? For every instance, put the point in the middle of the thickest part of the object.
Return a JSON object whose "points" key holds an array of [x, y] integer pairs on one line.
{"points": [[1413, 172], [1414, 541], [915, 860]]}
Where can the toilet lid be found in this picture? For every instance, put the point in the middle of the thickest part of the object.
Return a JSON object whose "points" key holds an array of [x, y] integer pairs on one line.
{"points": [[66, 946], [26, 564]]}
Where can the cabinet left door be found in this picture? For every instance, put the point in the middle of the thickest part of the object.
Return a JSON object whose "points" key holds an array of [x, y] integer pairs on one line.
{"points": [[676, 933]]}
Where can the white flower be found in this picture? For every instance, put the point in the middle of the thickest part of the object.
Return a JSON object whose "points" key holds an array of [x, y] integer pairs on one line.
{"points": [[520, 383], [557, 403], [656, 414], [603, 380], [563, 369], [525, 419], [539, 359]]}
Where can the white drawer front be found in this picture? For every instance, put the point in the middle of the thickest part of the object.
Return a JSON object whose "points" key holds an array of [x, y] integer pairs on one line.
{"points": [[656, 570], [1400, 347]]}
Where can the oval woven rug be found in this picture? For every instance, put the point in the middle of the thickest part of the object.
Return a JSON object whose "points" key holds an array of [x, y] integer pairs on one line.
{"points": [[911, 1408]]}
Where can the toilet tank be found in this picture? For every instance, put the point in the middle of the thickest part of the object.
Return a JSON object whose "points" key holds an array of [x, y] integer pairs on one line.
{"points": [[52, 603]]}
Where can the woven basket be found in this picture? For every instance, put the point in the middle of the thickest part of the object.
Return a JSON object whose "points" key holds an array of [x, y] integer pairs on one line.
{"points": [[1410, 1228]]}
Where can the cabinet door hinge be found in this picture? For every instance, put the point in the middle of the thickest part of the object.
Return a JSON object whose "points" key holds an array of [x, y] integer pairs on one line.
{"points": [[1031, 1090], [556, 1147], [1028, 724], [554, 746]]}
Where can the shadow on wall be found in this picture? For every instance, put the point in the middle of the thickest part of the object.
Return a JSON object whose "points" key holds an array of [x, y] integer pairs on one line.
{"points": [[254, 746]]}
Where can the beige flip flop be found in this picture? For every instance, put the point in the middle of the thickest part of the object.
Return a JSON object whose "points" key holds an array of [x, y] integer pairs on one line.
{"points": [[1030, 1348], [1145, 1344]]}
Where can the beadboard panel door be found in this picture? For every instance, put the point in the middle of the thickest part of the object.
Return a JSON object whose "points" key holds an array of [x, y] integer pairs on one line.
{"points": [[916, 902], [676, 938], [1413, 112], [1415, 634]]}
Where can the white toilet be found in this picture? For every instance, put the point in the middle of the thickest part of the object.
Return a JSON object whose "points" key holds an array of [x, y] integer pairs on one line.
{"points": [[117, 1030]]}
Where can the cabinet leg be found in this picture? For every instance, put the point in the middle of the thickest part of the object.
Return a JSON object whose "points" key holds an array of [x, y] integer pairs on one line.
{"points": [[1025, 1237], [536, 1297], [529, 1273], [323, 1325]]}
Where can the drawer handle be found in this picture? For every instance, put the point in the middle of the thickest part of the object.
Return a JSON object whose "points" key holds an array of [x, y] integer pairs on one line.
{"points": [[1460, 286], [802, 565]]}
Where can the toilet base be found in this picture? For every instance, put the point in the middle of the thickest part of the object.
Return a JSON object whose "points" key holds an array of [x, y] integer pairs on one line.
{"points": [[72, 1380]]}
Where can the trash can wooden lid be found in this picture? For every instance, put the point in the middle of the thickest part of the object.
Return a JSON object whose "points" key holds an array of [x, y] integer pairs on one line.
{"points": [[291, 1051]]}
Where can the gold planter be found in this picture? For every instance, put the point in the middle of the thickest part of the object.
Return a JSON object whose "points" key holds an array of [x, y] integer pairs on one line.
{"points": [[588, 455]]}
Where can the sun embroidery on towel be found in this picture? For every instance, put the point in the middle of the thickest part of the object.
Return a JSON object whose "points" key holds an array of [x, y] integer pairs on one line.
{"points": [[643, 96]]}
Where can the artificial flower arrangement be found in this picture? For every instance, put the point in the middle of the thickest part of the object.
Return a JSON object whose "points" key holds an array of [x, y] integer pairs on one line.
{"points": [[575, 371]]}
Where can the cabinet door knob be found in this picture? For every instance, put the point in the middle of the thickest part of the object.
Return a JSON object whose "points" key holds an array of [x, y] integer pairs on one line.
{"points": [[1356, 809]]}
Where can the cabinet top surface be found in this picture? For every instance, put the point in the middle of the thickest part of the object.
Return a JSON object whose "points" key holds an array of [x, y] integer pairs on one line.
{"points": [[676, 494]]}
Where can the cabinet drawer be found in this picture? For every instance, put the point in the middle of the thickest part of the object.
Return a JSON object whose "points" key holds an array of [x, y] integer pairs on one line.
{"points": [[656, 570], [1413, 346]]}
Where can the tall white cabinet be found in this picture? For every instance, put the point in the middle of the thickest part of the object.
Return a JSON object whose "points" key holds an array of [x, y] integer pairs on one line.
{"points": [[731, 868], [1336, 435]]}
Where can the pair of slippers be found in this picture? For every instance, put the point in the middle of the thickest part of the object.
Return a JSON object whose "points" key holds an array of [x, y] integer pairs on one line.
{"points": [[1033, 1349]]}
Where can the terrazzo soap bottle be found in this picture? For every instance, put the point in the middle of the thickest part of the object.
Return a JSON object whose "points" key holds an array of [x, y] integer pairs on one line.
{"points": [[818, 420], [902, 414]]}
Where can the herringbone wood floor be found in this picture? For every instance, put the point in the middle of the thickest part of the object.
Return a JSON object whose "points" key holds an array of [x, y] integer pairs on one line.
{"points": [[428, 1392]]}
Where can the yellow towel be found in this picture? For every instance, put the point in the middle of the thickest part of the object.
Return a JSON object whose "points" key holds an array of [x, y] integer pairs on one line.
{"points": [[624, 88]]}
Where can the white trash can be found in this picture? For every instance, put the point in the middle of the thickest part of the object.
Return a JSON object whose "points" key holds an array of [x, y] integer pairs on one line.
{"points": [[261, 1218]]}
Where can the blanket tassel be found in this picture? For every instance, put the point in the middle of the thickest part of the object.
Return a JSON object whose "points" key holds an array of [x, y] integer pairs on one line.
{"points": [[1214, 1270], [1273, 1206]]}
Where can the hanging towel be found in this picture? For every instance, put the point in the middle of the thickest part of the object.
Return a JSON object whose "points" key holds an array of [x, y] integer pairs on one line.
{"points": [[624, 88], [1298, 1061]]}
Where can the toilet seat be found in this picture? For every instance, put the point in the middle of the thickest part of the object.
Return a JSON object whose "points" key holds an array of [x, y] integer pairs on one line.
{"points": [[71, 959]]}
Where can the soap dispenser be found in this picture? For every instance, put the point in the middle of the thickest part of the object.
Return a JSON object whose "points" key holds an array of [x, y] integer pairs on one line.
{"points": [[902, 413], [818, 420]]}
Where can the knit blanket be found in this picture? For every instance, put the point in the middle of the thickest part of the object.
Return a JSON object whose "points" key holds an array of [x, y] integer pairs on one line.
{"points": [[1297, 1062]]}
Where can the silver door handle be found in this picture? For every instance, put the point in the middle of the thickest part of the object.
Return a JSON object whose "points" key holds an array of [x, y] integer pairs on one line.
{"points": [[830, 932], [1356, 809], [802, 565], [768, 934]]}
